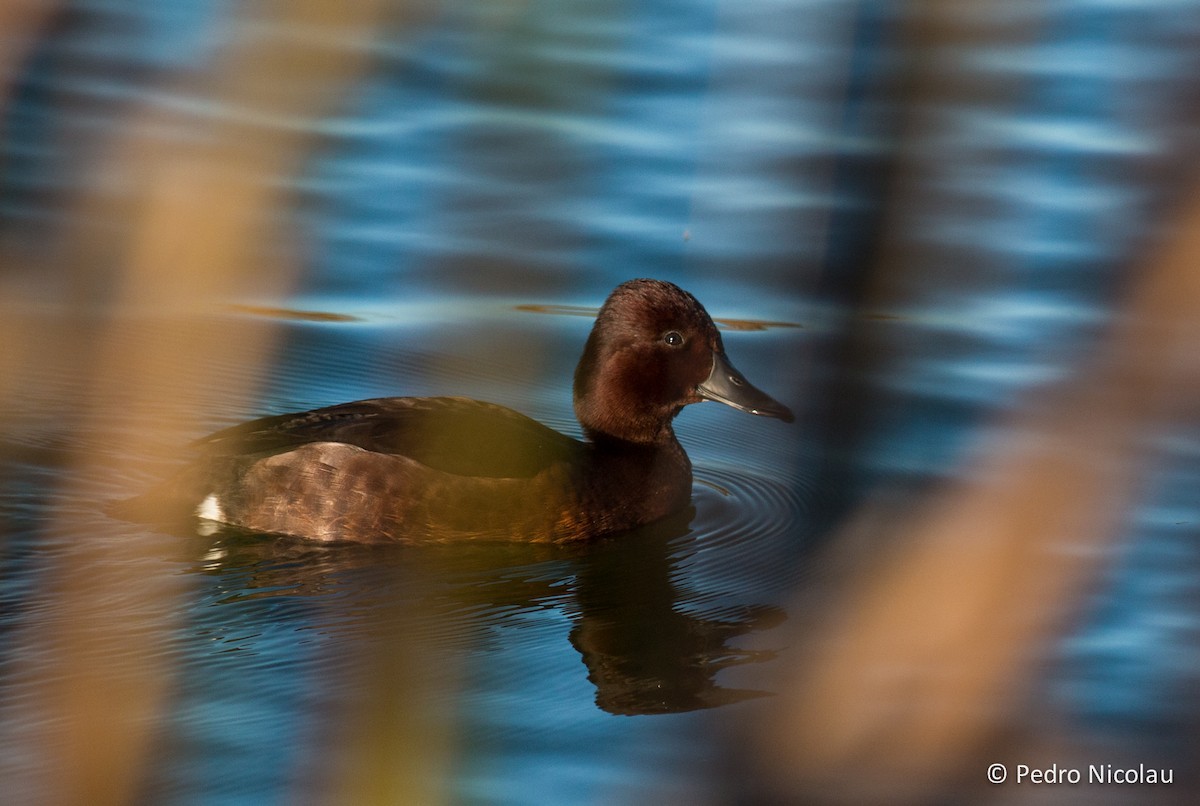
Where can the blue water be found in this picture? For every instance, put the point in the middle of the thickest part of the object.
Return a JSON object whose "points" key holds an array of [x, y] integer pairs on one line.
{"points": [[497, 161]]}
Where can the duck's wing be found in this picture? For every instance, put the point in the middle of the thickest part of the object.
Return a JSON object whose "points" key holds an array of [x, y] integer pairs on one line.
{"points": [[451, 434]]}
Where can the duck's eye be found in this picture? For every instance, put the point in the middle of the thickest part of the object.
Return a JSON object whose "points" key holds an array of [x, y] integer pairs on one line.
{"points": [[673, 338]]}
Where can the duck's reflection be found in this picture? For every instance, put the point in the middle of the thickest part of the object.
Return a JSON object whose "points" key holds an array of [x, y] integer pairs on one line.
{"points": [[643, 650]]}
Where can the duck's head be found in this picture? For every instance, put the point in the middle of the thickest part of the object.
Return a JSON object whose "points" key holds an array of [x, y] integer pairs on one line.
{"points": [[653, 350]]}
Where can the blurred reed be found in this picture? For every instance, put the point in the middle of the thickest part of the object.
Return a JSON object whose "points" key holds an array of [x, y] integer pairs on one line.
{"points": [[184, 225], [21, 23], [919, 657], [921, 662]]}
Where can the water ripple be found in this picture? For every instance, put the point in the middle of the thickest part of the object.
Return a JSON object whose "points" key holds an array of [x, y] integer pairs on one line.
{"points": [[748, 527]]}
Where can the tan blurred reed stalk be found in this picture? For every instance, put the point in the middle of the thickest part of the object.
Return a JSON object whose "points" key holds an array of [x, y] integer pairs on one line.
{"points": [[182, 231], [923, 648], [21, 22], [922, 664]]}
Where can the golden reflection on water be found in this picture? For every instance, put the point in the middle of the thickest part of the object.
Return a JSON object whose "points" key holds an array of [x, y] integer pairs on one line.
{"points": [[269, 312], [584, 310]]}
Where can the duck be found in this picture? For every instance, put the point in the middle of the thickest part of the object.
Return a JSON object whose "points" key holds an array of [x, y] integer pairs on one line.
{"points": [[412, 469]]}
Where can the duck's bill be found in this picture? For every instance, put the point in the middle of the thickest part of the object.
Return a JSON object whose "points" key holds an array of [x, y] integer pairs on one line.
{"points": [[726, 385]]}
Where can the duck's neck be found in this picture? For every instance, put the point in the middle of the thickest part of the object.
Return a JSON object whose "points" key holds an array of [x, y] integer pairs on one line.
{"points": [[653, 479], [656, 436]]}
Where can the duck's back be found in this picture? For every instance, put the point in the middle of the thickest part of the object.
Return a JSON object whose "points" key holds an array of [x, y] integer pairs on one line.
{"points": [[454, 435], [375, 469]]}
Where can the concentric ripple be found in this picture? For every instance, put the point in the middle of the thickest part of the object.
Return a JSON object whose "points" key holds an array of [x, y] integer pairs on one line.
{"points": [[746, 532]]}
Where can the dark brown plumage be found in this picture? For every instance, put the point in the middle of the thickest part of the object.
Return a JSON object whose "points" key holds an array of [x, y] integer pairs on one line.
{"points": [[449, 468]]}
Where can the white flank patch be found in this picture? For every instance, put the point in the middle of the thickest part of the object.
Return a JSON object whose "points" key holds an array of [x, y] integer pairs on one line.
{"points": [[210, 509]]}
